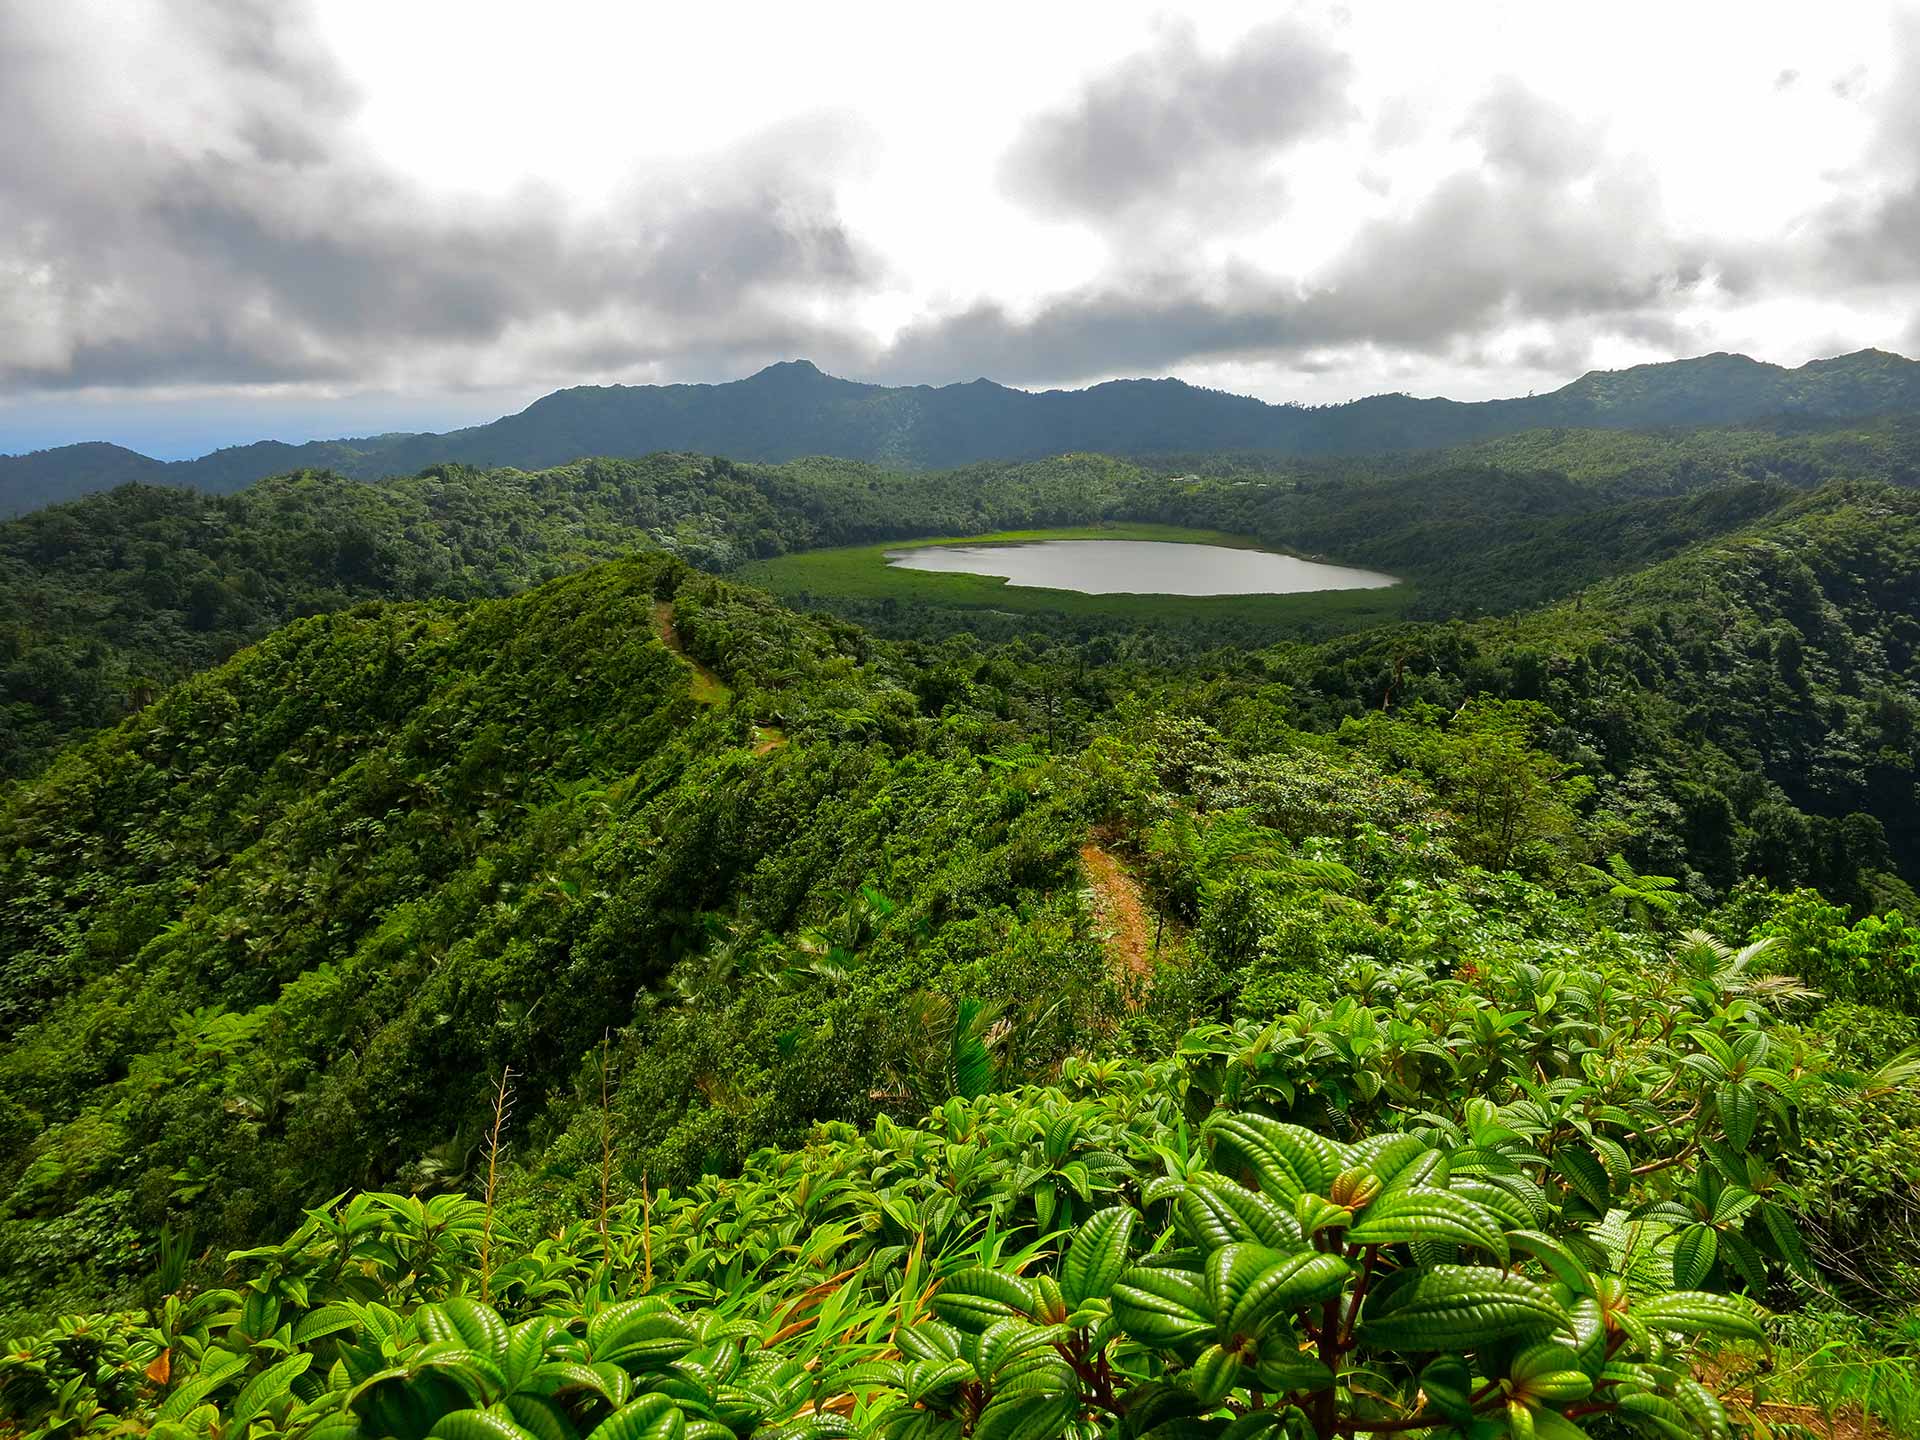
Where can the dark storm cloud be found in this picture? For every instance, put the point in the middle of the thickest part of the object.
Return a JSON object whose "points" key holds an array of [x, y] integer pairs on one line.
{"points": [[250, 237], [1129, 329], [1547, 229], [1873, 236], [1158, 129], [230, 226], [1524, 133], [1486, 249]]}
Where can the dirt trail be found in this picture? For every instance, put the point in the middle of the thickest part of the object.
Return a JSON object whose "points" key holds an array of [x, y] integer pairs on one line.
{"points": [[1121, 915], [706, 687]]}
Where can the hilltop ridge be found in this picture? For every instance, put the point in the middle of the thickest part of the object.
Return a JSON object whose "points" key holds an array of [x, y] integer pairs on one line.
{"points": [[794, 409]]}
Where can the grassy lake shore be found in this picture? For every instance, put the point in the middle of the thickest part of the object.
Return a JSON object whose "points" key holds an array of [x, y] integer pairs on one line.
{"points": [[860, 574]]}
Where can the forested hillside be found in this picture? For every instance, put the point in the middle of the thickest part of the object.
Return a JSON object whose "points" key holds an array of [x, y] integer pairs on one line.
{"points": [[1495, 1020], [110, 599], [509, 900], [792, 410], [1724, 691], [801, 907], [387, 847]]}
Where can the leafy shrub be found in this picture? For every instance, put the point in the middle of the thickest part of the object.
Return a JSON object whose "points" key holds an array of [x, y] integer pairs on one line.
{"points": [[1035, 1264]]}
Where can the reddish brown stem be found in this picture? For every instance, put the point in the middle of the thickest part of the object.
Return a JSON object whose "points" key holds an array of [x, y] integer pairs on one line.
{"points": [[1367, 1259]]}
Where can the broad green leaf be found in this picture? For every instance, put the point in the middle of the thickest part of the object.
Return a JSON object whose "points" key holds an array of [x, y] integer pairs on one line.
{"points": [[559, 1377], [1213, 1211], [922, 1378], [930, 1341], [1027, 1417], [481, 1377], [1547, 1357], [976, 1297], [1316, 1213], [1786, 1239], [1693, 1256], [1005, 1343], [1385, 1155], [1248, 1286], [1549, 1373], [823, 1425], [1585, 1175], [1613, 1155], [1660, 1412], [1161, 1306], [266, 1387], [1555, 1255], [1281, 1159], [193, 1391], [327, 1320], [1459, 1306], [476, 1326], [651, 1417], [1738, 1253], [1692, 1312], [1448, 1383], [1213, 1375], [526, 1350], [542, 1418], [1739, 1109], [1703, 1407], [649, 1338], [1097, 1255], [1282, 1368], [477, 1425], [1518, 1201], [1407, 1215], [1551, 1425]]}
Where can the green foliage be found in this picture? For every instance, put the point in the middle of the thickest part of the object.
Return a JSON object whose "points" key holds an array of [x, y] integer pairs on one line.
{"points": [[1666, 689], [271, 938], [1874, 960], [1516, 800], [1643, 896], [921, 1281], [118, 595], [111, 598], [1442, 1116]]}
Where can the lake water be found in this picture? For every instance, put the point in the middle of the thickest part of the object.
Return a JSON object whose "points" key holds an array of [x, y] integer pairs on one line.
{"points": [[1139, 567]]}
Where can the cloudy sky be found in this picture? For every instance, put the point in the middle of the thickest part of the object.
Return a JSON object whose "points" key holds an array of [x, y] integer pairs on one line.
{"points": [[227, 219]]}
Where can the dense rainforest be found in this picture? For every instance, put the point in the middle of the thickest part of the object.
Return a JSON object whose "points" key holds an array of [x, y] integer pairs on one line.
{"points": [[472, 967], [106, 601]]}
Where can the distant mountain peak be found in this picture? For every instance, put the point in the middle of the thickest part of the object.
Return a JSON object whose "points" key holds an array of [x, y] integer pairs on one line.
{"points": [[793, 408], [801, 369]]}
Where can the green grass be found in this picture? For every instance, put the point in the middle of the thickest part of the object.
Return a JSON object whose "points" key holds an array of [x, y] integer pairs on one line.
{"points": [[1119, 530], [860, 573]]}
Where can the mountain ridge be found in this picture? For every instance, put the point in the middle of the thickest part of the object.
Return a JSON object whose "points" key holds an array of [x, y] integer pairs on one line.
{"points": [[793, 409]]}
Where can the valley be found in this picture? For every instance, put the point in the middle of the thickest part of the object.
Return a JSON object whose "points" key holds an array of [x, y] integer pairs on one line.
{"points": [[1120, 722], [648, 795]]}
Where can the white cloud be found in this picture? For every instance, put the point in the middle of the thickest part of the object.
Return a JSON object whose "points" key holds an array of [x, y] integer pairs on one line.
{"points": [[435, 199]]}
